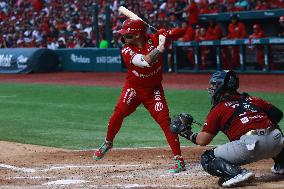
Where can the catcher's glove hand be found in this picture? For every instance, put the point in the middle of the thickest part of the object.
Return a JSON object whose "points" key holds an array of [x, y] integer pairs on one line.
{"points": [[181, 124]]}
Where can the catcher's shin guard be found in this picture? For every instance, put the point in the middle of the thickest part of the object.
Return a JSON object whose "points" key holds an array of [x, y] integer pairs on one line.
{"points": [[277, 169], [179, 165], [218, 166], [100, 153]]}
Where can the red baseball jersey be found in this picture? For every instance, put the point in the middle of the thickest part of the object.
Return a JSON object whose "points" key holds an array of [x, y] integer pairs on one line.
{"points": [[146, 76], [214, 33], [257, 35], [193, 12], [247, 119], [236, 31]]}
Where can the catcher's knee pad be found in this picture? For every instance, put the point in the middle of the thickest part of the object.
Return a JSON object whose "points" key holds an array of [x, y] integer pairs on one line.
{"points": [[217, 166], [206, 158]]}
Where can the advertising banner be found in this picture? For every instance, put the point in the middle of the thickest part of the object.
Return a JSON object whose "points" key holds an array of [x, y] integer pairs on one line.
{"points": [[90, 59], [26, 60]]}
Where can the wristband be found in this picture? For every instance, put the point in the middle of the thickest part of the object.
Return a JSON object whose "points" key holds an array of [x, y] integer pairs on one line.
{"points": [[193, 138], [187, 134]]}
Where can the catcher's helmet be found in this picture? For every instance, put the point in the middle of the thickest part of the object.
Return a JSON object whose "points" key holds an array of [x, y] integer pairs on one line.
{"points": [[220, 82], [132, 26]]}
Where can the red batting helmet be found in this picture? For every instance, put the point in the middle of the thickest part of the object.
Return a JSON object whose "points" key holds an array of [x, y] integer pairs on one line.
{"points": [[281, 19], [131, 26]]}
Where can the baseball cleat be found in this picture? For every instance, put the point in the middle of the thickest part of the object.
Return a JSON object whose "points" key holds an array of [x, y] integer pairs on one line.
{"points": [[179, 165], [245, 175], [277, 169], [100, 153]]}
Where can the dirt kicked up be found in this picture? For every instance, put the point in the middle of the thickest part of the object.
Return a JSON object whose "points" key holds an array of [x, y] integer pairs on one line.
{"points": [[28, 166]]}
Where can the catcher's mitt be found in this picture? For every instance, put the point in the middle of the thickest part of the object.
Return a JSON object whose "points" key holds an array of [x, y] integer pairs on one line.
{"points": [[181, 123]]}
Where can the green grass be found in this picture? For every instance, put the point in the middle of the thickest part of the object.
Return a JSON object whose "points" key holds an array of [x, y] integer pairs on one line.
{"points": [[76, 117]]}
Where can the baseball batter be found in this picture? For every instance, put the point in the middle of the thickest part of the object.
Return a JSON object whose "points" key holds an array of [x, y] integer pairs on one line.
{"points": [[142, 56], [250, 124]]}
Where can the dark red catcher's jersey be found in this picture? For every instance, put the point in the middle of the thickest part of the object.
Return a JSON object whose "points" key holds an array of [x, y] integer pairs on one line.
{"points": [[146, 76], [249, 118]]}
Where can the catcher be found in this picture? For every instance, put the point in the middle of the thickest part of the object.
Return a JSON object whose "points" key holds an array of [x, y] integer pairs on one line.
{"points": [[250, 123]]}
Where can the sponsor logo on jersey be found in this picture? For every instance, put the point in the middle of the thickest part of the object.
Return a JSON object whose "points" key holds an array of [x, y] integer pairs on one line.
{"points": [[159, 106], [128, 96], [127, 50], [137, 74], [158, 97]]}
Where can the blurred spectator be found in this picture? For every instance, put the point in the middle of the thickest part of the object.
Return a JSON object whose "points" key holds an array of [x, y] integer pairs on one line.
{"points": [[193, 13], [70, 42], [208, 8], [40, 44], [203, 50], [257, 34], [236, 30], [51, 43], [251, 5], [173, 22], [281, 27], [276, 4], [204, 7], [180, 9], [242, 4], [196, 31], [2, 43], [61, 43], [261, 5], [89, 43], [214, 31], [189, 32], [40, 20], [103, 42], [188, 36], [232, 8]]}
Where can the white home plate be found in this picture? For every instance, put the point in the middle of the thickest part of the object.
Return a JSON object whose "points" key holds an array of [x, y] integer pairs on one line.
{"points": [[65, 182]]}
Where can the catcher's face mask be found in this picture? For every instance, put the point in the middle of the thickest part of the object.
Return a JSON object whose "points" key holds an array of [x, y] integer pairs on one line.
{"points": [[216, 86], [211, 89], [220, 82]]}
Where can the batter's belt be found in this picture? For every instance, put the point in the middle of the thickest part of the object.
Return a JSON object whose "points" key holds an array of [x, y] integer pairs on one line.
{"points": [[260, 132]]}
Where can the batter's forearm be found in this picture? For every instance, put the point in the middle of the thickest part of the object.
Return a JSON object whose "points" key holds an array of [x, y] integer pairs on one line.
{"points": [[152, 57]]}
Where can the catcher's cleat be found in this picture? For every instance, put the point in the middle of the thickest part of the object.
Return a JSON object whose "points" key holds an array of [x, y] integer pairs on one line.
{"points": [[179, 165], [244, 176], [278, 169], [100, 153]]}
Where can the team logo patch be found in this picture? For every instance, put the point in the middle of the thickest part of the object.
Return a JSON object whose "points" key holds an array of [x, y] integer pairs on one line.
{"points": [[159, 106], [128, 96]]}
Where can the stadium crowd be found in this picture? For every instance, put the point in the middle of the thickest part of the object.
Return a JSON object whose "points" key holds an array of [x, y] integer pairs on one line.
{"points": [[69, 24]]}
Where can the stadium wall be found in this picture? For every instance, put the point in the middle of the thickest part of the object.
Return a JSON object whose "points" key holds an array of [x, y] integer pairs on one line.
{"points": [[90, 59]]}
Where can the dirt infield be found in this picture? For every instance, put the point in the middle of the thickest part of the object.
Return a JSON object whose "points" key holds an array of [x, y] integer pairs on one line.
{"points": [[30, 166]]}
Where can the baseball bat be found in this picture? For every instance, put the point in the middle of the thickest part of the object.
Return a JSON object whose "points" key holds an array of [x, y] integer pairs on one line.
{"points": [[132, 15]]}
